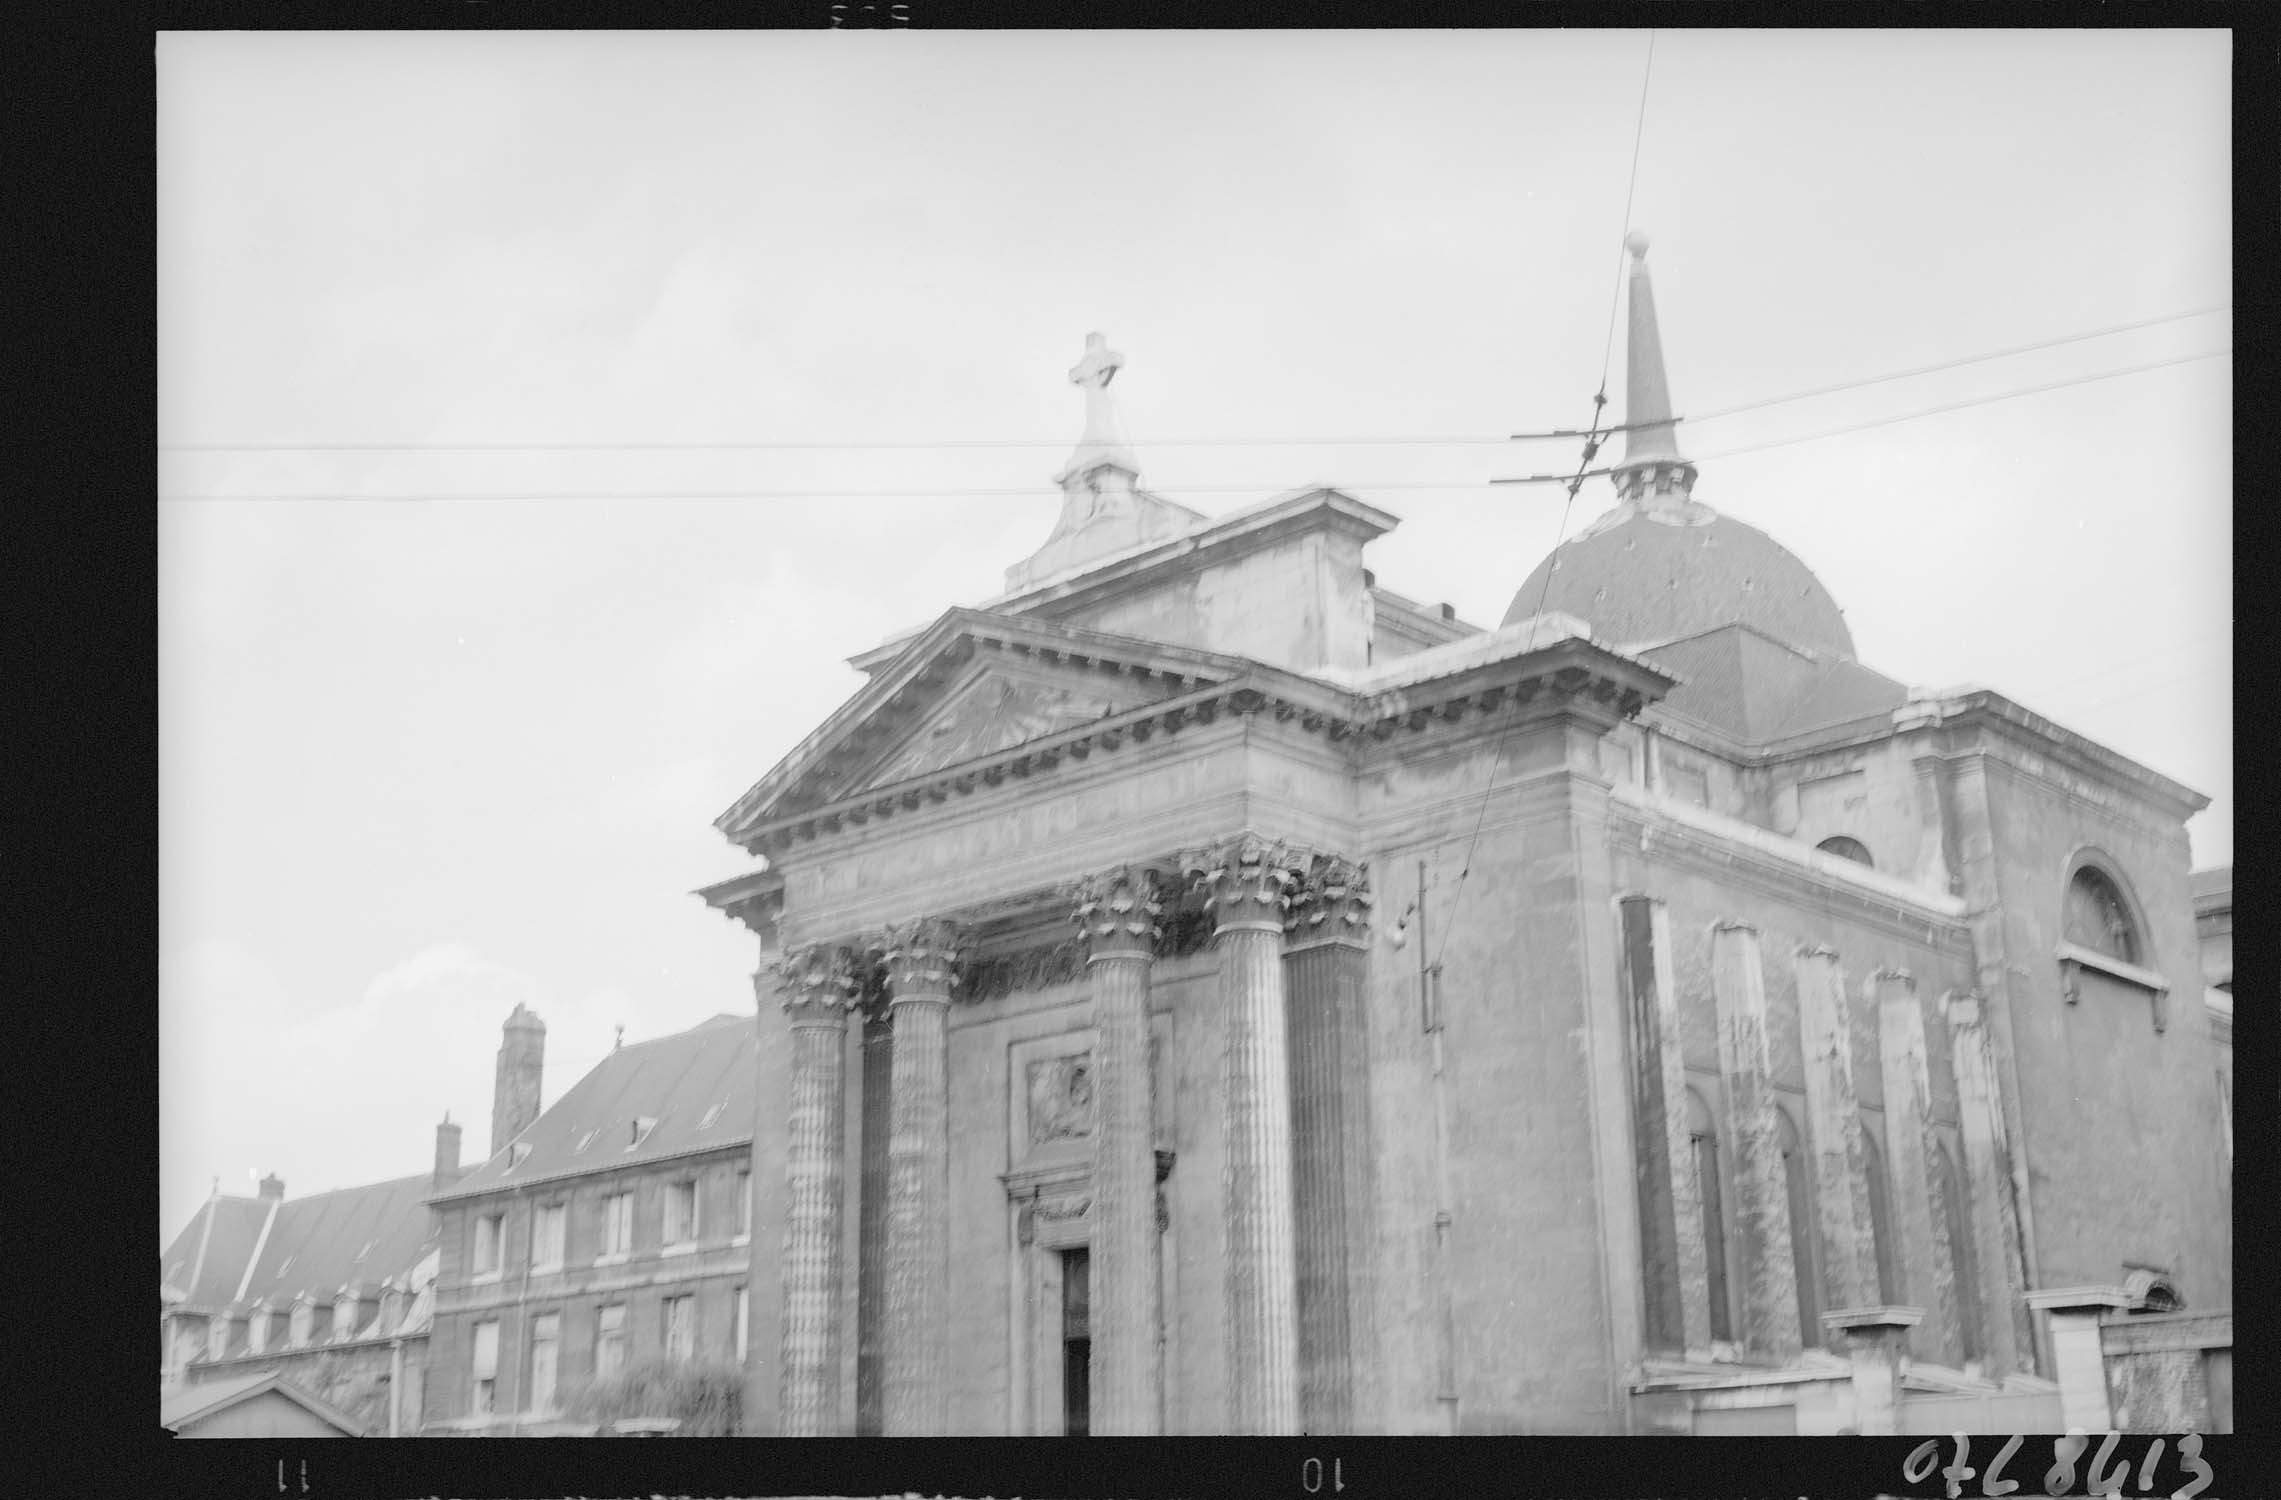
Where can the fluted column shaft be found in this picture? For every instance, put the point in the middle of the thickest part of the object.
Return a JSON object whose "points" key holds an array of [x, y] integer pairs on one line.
{"points": [[1997, 1246], [1248, 882], [1324, 958], [1762, 1200], [916, 1328], [818, 985], [1117, 912], [1833, 1124], [1927, 1278]]}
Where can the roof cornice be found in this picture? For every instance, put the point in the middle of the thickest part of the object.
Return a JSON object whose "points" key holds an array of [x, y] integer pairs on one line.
{"points": [[1986, 708], [1562, 675]]}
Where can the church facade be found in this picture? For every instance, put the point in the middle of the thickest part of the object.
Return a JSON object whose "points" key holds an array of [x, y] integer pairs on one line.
{"points": [[1203, 991]]}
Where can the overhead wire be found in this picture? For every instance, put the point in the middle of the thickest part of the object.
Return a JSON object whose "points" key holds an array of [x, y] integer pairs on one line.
{"points": [[1410, 440], [1592, 441]]}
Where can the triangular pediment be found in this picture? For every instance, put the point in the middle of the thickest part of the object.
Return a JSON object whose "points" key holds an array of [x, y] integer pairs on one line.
{"points": [[971, 686], [996, 708]]}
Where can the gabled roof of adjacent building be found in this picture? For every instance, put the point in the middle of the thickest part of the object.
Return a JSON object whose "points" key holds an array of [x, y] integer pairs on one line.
{"points": [[695, 1089], [204, 1265], [190, 1404], [349, 1237]]}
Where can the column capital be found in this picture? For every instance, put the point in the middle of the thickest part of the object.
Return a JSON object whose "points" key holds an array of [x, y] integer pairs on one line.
{"points": [[1246, 880], [1900, 977], [1818, 950], [1117, 910], [922, 958], [818, 983], [1962, 1009], [1331, 905]]}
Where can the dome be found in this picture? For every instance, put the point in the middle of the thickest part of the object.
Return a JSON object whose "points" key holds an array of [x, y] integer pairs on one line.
{"points": [[1653, 573]]}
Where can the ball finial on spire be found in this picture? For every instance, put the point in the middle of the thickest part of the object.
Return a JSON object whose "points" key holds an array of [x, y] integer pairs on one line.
{"points": [[1636, 243]]}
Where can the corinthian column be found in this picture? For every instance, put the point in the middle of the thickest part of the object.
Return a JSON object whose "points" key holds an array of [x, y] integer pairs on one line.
{"points": [[1117, 913], [818, 985], [1325, 955], [1248, 881], [916, 1395]]}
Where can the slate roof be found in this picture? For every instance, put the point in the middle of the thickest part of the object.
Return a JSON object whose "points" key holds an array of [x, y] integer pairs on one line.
{"points": [[206, 1263], [1636, 576], [1757, 690], [675, 1080], [188, 1404]]}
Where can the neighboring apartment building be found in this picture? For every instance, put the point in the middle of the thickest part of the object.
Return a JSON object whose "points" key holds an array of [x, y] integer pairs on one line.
{"points": [[609, 1230], [332, 1292]]}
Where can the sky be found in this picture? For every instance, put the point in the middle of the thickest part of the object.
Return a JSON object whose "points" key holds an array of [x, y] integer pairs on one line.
{"points": [[444, 730]]}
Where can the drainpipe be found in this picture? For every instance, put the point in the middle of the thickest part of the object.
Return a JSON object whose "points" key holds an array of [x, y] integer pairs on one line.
{"points": [[1429, 1015]]}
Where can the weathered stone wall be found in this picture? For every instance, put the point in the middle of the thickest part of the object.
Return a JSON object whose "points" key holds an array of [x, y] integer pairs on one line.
{"points": [[2122, 1135], [1877, 793], [1299, 602], [354, 1378], [2158, 1371]]}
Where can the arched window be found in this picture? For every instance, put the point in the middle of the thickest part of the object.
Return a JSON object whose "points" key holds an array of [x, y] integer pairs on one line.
{"points": [[1802, 1236], [1880, 1218], [1845, 848], [1948, 1185], [1703, 1142], [2098, 918]]}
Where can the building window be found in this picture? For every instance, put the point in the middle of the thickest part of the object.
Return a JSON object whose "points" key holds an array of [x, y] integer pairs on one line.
{"points": [[489, 1230], [610, 1340], [546, 1348], [1880, 1215], [680, 1213], [618, 1224], [681, 1328], [744, 1322], [1803, 1261], [304, 1315], [1964, 1268], [1076, 1342], [546, 1236], [1845, 848], [2098, 918], [744, 1200], [257, 1330], [344, 1319], [486, 1368], [1703, 1143]]}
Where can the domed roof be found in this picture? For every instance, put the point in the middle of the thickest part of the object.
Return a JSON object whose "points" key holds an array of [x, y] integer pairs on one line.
{"points": [[1658, 572]]}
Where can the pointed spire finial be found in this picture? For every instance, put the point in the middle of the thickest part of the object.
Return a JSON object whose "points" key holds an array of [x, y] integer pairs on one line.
{"points": [[1652, 465]]}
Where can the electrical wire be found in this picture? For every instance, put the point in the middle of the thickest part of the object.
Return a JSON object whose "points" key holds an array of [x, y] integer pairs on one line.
{"points": [[1575, 482], [1930, 411], [1415, 440]]}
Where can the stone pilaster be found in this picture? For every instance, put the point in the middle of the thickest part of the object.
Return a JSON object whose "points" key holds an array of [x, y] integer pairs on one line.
{"points": [[1117, 912], [1927, 1278], [2078, 1363], [1761, 1198], [1325, 958], [1996, 1248], [1671, 1204], [1833, 1122], [915, 1398], [818, 986], [1248, 882]]}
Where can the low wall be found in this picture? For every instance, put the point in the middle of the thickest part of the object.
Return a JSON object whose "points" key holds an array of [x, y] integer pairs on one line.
{"points": [[2169, 1372]]}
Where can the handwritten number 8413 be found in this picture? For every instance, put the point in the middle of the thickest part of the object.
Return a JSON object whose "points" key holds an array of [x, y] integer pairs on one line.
{"points": [[2060, 1478]]}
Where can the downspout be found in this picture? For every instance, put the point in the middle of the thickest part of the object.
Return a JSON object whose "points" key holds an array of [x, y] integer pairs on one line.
{"points": [[1429, 1015]]}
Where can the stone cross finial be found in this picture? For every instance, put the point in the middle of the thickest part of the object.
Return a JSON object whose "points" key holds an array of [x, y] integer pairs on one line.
{"points": [[1094, 372]]}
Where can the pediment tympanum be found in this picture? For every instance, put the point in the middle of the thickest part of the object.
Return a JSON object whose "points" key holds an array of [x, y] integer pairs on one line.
{"points": [[996, 711]]}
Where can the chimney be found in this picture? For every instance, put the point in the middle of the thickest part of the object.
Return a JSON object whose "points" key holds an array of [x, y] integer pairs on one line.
{"points": [[273, 1186], [447, 1156], [515, 1098]]}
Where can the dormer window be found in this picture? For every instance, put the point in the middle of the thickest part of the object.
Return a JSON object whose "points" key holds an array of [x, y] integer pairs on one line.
{"points": [[642, 1126], [712, 1113], [517, 1154], [304, 1315], [585, 1140], [257, 1330]]}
